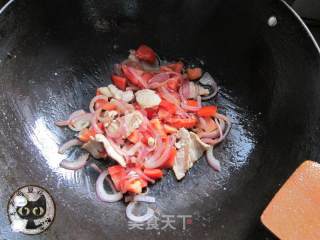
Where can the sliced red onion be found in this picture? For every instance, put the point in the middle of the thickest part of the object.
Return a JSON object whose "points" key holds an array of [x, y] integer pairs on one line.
{"points": [[94, 100], [122, 106], [117, 69], [77, 164], [161, 79], [213, 162], [219, 129], [185, 106], [209, 141], [71, 117], [129, 212], [208, 80], [203, 123], [213, 134], [227, 122], [157, 162], [134, 149], [69, 144], [102, 193], [77, 123], [184, 90], [143, 176], [150, 67], [62, 123], [77, 114], [222, 130], [95, 167], [157, 152], [94, 121], [137, 77]]}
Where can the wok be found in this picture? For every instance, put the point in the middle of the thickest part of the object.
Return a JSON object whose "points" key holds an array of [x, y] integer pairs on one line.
{"points": [[55, 53]]}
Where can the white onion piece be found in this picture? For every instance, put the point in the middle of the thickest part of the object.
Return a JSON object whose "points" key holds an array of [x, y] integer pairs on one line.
{"points": [[140, 198], [149, 214], [208, 80], [101, 192], [69, 144], [144, 198], [77, 164], [213, 162]]}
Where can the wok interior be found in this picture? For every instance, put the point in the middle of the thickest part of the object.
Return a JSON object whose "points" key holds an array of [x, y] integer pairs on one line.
{"points": [[55, 53]]}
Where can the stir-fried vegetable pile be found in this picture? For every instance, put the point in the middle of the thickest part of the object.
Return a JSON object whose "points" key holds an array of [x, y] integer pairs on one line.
{"points": [[151, 118]]}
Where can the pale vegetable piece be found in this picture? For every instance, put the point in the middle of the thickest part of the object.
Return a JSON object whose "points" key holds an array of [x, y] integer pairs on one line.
{"points": [[151, 141], [110, 149], [190, 149], [94, 148], [112, 114], [197, 148], [132, 121], [105, 91], [147, 98], [195, 90], [116, 93], [127, 96], [113, 127]]}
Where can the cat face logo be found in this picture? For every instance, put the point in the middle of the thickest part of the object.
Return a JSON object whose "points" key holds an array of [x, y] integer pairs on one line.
{"points": [[31, 210]]}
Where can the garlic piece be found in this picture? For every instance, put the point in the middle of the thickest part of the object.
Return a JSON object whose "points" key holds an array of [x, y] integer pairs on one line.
{"points": [[147, 98], [105, 91]]}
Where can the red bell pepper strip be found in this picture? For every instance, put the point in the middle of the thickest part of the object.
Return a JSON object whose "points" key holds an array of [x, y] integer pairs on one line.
{"points": [[171, 159], [86, 134], [194, 73], [151, 112], [157, 125], [169, 129], [146, 53], [153, 173], [163, 114], [170, 107], [120, 82], [182, 122], [192, 103], [207, 111], [135, 136], [134, 186]]}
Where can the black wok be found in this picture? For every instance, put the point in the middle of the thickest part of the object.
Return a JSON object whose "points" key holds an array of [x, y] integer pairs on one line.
{"points": [[55, 53]]}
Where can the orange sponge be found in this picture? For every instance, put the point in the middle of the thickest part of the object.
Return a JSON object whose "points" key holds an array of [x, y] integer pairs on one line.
{"points": [[294, 212]]}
